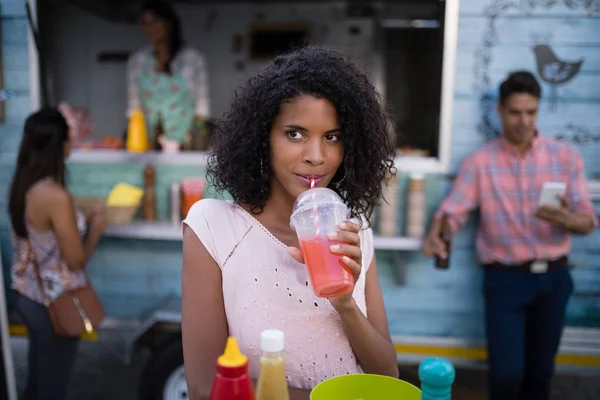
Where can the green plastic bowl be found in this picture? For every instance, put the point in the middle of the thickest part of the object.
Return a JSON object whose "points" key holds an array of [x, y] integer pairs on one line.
{"points": [[365, 387]]}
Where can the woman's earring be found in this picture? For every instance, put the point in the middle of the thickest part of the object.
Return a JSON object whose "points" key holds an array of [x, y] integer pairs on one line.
{"points": [[262, 168], [338, 184], [264, 189]]}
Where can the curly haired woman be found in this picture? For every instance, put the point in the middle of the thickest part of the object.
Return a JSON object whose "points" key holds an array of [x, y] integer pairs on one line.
{"points": [[312, 114]]}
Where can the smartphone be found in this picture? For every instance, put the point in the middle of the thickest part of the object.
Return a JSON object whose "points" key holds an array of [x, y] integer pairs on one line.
{"points": [[551, 192]]}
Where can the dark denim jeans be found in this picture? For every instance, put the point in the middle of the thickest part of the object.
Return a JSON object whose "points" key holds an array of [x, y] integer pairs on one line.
{"points": [[50, 358], [525, 315]]}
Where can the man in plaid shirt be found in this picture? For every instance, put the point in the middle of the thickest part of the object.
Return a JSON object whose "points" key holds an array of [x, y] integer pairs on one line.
{"points": [[522, 246]]}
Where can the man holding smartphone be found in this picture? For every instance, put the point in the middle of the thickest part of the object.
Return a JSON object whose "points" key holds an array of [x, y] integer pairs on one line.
{"points": [[522, 245]]}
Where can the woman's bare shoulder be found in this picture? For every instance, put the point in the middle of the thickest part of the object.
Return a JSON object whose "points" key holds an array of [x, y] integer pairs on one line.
{"points": [[50, 193]]}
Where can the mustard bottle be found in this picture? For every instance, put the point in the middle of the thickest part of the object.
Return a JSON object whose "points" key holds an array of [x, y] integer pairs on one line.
{"points": [[272, 384], [137, 137]]}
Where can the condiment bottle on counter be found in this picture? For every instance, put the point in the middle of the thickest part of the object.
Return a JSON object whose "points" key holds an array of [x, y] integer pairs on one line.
{"points": [[192, 190], [149, 205], [137, 137], [415, 211], [175, 203], [437, 376], [232, 381], [158, 134], [200, 138], [272, 384], [445, 233], [389, 208]]}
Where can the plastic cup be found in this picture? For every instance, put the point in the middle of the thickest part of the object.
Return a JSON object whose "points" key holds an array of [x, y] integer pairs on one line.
{"points": [[316, 214], [365, 386]]}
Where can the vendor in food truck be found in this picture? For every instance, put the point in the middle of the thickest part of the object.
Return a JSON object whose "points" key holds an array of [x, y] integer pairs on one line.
{"points": [[168, 79]]}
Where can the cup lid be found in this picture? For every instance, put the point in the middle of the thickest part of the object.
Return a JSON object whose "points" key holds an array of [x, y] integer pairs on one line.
{"points": [[436, 371], [316, 197]]}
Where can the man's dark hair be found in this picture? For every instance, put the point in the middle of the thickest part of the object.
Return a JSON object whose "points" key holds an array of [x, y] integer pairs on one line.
{"points": [[519, 82]]}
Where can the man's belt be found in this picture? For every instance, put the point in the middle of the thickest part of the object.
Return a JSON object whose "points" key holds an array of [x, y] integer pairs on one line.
{"points": [[533, 266]]}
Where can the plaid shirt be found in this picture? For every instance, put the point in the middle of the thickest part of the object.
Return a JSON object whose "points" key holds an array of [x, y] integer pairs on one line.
{"points": [[506, 187]]}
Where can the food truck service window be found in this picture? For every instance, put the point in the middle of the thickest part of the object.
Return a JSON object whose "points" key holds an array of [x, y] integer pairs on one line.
{"points": [[407, 47], [418, 52]]}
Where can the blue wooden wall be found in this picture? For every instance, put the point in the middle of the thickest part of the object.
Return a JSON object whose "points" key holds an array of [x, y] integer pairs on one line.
{"points": [[494, 37], [16, 79]]}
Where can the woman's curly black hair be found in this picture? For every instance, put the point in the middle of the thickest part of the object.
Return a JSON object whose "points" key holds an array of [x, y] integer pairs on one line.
{"points": [[239, 159]]}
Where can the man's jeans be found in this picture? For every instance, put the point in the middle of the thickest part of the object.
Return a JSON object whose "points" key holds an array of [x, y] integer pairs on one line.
{"points": [[524, 316]]}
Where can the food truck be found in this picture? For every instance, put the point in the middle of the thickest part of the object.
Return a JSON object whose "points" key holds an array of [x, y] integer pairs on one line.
{"points": [[436, 63]]}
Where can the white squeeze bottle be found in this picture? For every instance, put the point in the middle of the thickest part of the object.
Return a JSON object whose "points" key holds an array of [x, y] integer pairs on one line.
{"points": [[272, 384]]}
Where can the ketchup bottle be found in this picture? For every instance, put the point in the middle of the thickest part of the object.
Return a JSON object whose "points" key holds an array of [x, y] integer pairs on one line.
{"points": [[444, 263], [232, 381]]}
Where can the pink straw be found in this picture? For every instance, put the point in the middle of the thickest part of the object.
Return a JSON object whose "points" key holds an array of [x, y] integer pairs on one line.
{"points": [[316, 210]]}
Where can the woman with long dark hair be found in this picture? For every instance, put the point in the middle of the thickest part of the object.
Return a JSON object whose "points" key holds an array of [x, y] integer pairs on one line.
{"points": [[47, 230], [168, 79]]}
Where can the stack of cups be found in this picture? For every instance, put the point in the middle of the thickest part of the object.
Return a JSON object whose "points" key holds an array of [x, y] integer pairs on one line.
{"points": [[191, 192], [316, 214], [389, 208], [175, 203], [415, 216]]}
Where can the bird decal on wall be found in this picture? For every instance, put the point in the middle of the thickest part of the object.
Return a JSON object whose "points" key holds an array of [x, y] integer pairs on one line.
{"points": [[554, 71]]}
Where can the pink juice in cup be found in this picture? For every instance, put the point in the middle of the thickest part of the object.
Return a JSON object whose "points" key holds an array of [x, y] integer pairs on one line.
{"points": [[317, 213]]}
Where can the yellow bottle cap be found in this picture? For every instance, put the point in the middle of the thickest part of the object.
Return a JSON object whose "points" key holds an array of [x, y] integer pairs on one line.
{"points": [[232, 357]]}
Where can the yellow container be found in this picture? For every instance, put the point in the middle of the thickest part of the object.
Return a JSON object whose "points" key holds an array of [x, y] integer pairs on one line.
{"points": [[365, 386], [137, 136]]}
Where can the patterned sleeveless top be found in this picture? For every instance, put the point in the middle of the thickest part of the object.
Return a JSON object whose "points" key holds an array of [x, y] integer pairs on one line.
{"points": [[56, 276]]}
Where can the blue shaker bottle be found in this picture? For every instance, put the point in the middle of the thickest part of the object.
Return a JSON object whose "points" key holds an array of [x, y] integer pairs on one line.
{"points": [[437, 376]]}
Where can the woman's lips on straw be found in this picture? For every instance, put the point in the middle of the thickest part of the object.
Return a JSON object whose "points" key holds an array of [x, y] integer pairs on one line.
{"points": [[310, 179]]}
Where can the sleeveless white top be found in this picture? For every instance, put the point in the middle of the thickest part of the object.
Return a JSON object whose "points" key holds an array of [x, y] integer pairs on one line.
{"points": [[265, 288]]}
